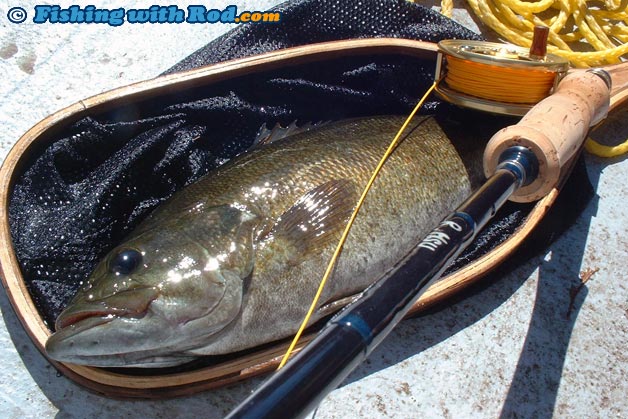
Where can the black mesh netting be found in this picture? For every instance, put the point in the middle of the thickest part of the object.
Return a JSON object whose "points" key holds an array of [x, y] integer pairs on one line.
{"points": [[96, 179]]}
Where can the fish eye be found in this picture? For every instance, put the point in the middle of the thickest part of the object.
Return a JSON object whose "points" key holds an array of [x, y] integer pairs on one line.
{"points": [[126, 261]]}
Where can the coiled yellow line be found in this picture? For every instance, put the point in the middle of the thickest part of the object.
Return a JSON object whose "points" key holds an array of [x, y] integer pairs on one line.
{"points": [[572, 23]]}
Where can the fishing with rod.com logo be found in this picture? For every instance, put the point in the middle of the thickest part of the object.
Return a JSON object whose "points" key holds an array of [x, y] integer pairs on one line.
{"points": [[52, 14]]}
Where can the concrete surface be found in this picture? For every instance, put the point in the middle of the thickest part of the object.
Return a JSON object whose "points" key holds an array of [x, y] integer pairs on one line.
{"points": [[509, 350]]}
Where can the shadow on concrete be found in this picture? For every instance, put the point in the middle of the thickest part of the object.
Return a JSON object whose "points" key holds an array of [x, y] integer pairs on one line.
{"points": [[538, 373], [535, 383]]}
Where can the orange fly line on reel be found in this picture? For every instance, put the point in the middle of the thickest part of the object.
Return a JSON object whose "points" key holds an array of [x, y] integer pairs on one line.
{"points": [[510, 85], [494, 77]]}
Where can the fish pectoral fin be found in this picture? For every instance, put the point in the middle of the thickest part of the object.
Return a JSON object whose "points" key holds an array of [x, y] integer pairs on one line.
{"points": [[317, 218], [334, 306], [278, 132]]}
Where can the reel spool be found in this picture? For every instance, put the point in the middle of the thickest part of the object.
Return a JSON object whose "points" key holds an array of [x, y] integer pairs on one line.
{"points": [[497, 78]]}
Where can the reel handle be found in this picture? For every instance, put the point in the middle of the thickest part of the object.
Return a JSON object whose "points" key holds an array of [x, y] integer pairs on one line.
{"points": [[554, 129]]}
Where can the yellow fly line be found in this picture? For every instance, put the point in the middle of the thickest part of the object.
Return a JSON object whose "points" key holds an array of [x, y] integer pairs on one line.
{"points": [[345, 233], [600, 150]]}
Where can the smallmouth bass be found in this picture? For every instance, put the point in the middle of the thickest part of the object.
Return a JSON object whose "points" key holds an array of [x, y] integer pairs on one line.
{"points": [[233, 260]]}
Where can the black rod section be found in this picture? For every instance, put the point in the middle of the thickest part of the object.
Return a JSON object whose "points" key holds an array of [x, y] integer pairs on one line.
{"points": [[351, 335]]}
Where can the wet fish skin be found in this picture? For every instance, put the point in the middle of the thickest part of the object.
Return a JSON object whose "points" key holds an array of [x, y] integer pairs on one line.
{"points": [[233, 261]]}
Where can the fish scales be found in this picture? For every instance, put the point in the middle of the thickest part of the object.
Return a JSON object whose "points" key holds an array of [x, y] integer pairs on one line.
{"points": [[233, 260]]}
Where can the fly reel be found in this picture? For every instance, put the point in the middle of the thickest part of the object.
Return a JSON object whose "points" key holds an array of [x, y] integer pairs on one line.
{"points": [[497, 78]]}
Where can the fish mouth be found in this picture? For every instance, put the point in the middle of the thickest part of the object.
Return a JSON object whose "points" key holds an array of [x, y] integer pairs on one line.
{"points": [[119, 331], [79, 343], [62, 347], [61, 342], [92, 317], [86, 323], [79, 329], [127, 303]]}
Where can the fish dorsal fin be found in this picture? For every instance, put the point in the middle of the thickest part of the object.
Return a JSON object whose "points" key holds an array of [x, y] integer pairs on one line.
{"points": [[316, 219], [278, 132]]}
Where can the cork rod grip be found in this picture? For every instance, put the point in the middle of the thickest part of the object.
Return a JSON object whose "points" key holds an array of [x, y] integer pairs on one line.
{"points": [[554, 129]]}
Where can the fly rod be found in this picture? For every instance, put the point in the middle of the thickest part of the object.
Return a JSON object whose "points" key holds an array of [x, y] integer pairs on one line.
{"points": [[522, 162]]}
